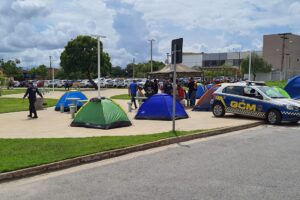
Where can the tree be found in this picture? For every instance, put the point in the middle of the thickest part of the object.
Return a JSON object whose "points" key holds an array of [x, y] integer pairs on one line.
{"points": [[142, 69], [117, 71], [10, 68], [42, 71], [80, 57], [258, 64]]}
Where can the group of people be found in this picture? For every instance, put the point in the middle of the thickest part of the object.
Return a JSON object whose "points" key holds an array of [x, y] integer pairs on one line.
{"points": [[151, 87], [134, 90]]}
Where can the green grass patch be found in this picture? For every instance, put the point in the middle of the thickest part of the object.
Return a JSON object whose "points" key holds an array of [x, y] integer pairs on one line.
{"points": [[22, 153], [276, 83], [121, 97], [13, 91], [16, 104]]}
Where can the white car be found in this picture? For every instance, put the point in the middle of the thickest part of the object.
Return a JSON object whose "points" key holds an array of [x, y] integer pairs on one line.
{"points": [[101, 82], [108, 83], [85, 83]]}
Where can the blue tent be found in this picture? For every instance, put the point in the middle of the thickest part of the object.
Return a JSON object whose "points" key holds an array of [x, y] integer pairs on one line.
{"points": [[293, 87], [200, 90], [159, 107], [71, 94]]}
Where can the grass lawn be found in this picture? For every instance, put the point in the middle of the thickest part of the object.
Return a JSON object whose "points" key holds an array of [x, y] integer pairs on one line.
{"points": [[21, 153], [16, 104], [276, 83], [121, 97], [13, 91]]}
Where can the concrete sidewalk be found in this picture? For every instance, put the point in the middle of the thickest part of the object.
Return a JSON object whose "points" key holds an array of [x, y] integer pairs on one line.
{"points": [[53, 124]]}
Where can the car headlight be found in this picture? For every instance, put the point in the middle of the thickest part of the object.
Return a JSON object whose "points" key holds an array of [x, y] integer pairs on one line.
{"points": [[291, 107]]}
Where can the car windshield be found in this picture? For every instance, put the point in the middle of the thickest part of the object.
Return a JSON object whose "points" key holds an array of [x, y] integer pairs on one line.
{"points": [[271, 92]]}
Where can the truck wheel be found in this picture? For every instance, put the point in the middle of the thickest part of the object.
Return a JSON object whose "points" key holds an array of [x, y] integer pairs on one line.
{"points": [[273, 117], [218, 110]]}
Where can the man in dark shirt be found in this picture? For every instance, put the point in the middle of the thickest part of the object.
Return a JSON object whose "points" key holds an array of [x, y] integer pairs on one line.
{"points": [[192, 91], [31, 92], [168, 87]]}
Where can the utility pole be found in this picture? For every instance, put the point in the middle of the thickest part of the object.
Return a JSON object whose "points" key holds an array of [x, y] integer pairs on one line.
{"points": [[284, 37], [151, 41], [168, 55], [133, 61]]}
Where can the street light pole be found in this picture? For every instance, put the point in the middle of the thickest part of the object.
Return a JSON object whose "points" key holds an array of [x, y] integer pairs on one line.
{"points": [[52, 75], [151, 41], [98, 45]]}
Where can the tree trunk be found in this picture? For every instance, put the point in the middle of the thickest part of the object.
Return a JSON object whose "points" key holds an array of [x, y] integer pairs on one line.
{"points": [[92, 81]]}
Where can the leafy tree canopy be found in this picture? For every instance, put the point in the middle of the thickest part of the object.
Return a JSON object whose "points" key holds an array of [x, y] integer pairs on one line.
{"points": [[141, 69], [10, 68], [80, 56], [258, 65]]}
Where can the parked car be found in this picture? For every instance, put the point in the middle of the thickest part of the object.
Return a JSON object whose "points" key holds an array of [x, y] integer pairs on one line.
{"points": [[108, 83], [85, 83], [255, 100], [101, 82], [16, 84]]}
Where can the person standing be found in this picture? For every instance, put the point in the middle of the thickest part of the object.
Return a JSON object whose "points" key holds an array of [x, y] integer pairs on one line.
{"points": [[167, 87], [31, 92], [192, 91], [132, 89], [155, 86]]}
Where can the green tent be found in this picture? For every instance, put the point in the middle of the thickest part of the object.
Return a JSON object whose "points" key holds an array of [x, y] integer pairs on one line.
{"points": [[282, 91], [101, 113]]}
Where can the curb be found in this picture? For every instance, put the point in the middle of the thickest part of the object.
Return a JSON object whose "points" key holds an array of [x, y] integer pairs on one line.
{"points": [[115, 153]]}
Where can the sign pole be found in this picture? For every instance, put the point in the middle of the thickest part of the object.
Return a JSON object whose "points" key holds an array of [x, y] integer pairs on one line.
{"points": [[174, 91]]}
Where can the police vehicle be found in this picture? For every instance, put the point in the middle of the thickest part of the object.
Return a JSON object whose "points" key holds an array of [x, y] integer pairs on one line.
{"points": [[255, 100]]}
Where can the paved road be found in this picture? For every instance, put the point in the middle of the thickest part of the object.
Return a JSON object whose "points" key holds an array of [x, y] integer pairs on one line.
{"points": [[259, 163]]}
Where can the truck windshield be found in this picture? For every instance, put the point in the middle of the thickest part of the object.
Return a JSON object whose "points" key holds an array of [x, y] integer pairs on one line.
{"points": [[271, 92]]}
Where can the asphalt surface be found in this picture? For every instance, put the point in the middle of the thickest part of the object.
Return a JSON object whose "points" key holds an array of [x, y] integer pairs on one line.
{"points": [[259, 163]]}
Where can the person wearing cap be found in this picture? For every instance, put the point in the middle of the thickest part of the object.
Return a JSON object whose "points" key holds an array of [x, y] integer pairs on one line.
{"points": [[31, 92]]}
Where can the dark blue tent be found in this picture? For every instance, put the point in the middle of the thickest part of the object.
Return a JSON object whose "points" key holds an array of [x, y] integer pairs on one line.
{"points": [[71, 94], [293, 87], [159, 107]]}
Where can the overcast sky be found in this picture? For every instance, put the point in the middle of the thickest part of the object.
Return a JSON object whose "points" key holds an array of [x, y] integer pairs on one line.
{"points": [[32, 30]]}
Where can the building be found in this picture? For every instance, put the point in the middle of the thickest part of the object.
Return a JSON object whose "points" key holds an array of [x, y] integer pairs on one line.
{"points": [[215, 59], [283, 52], [192, 59]]}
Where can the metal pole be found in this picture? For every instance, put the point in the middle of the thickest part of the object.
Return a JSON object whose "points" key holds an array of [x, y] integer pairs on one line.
{"points": [[174, 91], [52, 75], [98, 41], [249, 75], [133, 61], [151, 53]]}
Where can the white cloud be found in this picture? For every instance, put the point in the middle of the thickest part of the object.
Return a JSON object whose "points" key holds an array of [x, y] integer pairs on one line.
{"points": [[32, 30]]}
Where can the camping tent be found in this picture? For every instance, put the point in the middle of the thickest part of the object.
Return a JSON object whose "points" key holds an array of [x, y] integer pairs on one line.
{"points": [[181, 70], [71, 94], [201, 89], [101, 113], [159, 107], [203, 104], [293, 87]]}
